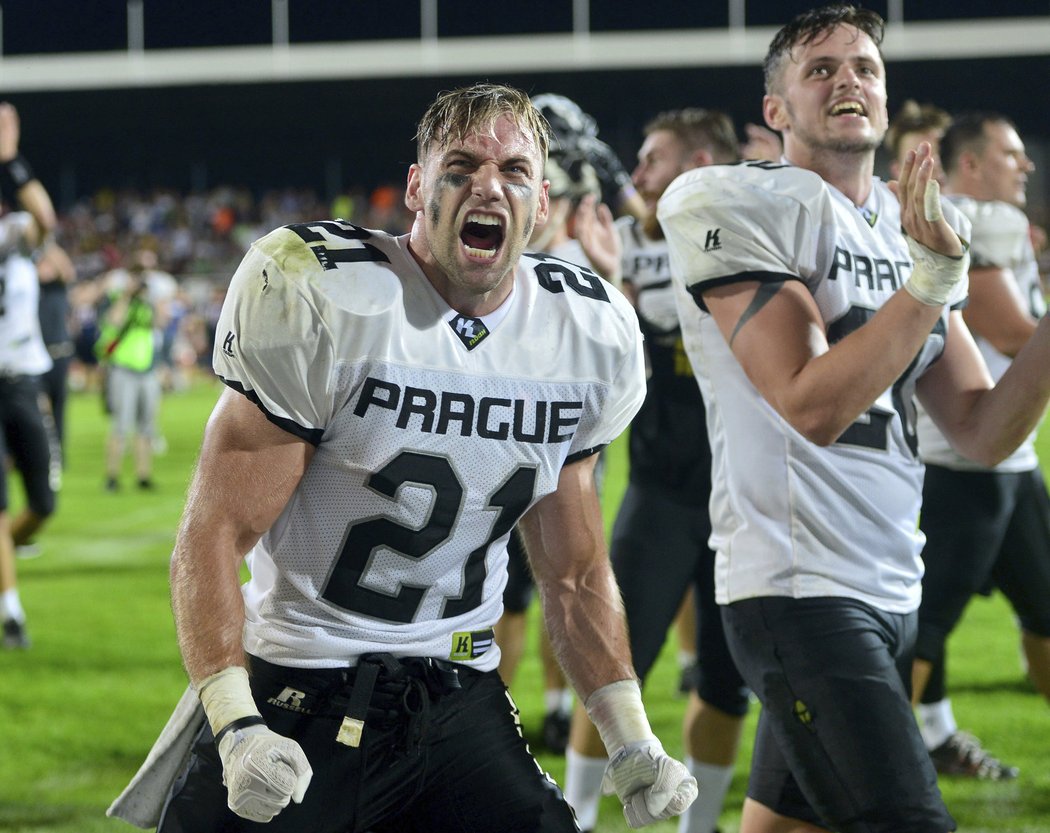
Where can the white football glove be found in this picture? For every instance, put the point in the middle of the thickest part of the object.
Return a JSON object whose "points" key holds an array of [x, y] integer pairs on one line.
{"points": [[650, 784], [262, 771]]}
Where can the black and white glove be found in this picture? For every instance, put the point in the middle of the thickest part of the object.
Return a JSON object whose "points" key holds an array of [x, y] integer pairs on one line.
{"points": [[650, 784], [262, 770]]}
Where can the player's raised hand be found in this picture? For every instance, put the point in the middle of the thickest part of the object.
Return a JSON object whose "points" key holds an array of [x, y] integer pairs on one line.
{"points": [[920, 199], [941, 260], [597, 236], [10, 132]]}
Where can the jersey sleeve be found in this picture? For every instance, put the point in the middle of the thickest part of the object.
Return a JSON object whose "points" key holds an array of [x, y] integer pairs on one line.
{"points": [[272, 342], [626, 388], [729, 223], [998, 235], [13, 229], [959, 220], [626, 230]]}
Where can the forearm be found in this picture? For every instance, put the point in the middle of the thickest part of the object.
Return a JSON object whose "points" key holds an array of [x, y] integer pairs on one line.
{"points": [[207, 602], [584, 619], [247, 472], [564, 537], [1001, 418], [835, 388], [33, 197], [776, 333]]}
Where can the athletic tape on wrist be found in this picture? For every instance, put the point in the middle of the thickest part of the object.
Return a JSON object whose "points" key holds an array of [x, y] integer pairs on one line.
{"points": [[240, 723], [934, 275], [227, 697], [617, 713], [13, 175]]}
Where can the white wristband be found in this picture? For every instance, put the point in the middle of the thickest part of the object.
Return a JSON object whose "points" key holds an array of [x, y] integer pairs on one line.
{"points": [[226, 697], [935, 276], [617, 713]]}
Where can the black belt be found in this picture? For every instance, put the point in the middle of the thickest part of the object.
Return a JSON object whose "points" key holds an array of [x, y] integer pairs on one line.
{"points": [[414, 680]]}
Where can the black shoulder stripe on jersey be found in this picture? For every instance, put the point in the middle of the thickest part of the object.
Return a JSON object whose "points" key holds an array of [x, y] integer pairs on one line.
{"points": [[310, 435], [583, 455], [697, 290]]}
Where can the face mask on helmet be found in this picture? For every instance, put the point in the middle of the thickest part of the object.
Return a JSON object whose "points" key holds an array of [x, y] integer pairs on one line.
{"points": [[568, 122]]}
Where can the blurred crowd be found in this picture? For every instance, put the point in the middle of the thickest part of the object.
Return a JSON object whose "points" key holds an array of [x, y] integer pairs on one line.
{"points": [[196, 241]]}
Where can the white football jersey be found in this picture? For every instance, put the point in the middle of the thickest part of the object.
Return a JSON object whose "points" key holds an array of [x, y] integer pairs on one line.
{"points": [[1000, 239], [431, 440], [647, 267], [22, 348], [791, 518]]}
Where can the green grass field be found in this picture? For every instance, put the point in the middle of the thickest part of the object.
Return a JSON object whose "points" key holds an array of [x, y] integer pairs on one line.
{"points": [[81, 708]]}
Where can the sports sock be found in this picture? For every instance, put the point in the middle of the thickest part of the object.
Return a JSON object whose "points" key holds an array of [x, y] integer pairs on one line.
{"points": [[557, 700], [713, 781], [583, 786], [936, 722], [11, 606]]}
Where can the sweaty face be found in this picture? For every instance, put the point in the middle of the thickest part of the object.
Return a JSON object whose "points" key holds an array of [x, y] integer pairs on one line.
{"points": [[831, 95], [660, 159], [476, 201], [1003, 167]]}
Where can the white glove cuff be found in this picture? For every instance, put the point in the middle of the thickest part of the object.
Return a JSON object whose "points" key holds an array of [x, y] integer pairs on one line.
{"points": [[935, 276], [227, 697], [617, 713]]}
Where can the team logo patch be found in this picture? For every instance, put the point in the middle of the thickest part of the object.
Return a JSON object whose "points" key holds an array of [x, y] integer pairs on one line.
{"points": [[467, 645], [290, 699], [805, 717], [471, 331], [711, 242]]}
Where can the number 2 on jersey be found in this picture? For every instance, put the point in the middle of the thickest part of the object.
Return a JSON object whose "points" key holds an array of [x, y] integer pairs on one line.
{"points": [[347, 585]]}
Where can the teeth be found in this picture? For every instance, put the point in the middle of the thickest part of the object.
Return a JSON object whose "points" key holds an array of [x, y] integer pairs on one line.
{"points": [[480, 252], [482, 219], [848, 107]]}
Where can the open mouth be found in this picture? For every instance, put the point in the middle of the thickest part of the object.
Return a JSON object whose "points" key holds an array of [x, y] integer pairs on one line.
{"points": [[849, 108], [482, 235]]}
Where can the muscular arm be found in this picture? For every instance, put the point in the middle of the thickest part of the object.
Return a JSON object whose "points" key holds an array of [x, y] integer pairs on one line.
{"points": [[983, 422], [565, 539], [32, 196], [997, 311], [777, 333], [247, 472]]}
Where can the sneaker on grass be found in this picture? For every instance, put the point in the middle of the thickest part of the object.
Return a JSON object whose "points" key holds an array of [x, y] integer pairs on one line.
{"points": [[15, 635], [962, 754]]}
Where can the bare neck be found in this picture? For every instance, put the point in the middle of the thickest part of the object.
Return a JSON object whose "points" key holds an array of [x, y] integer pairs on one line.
{"points": [[851, 173]]}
